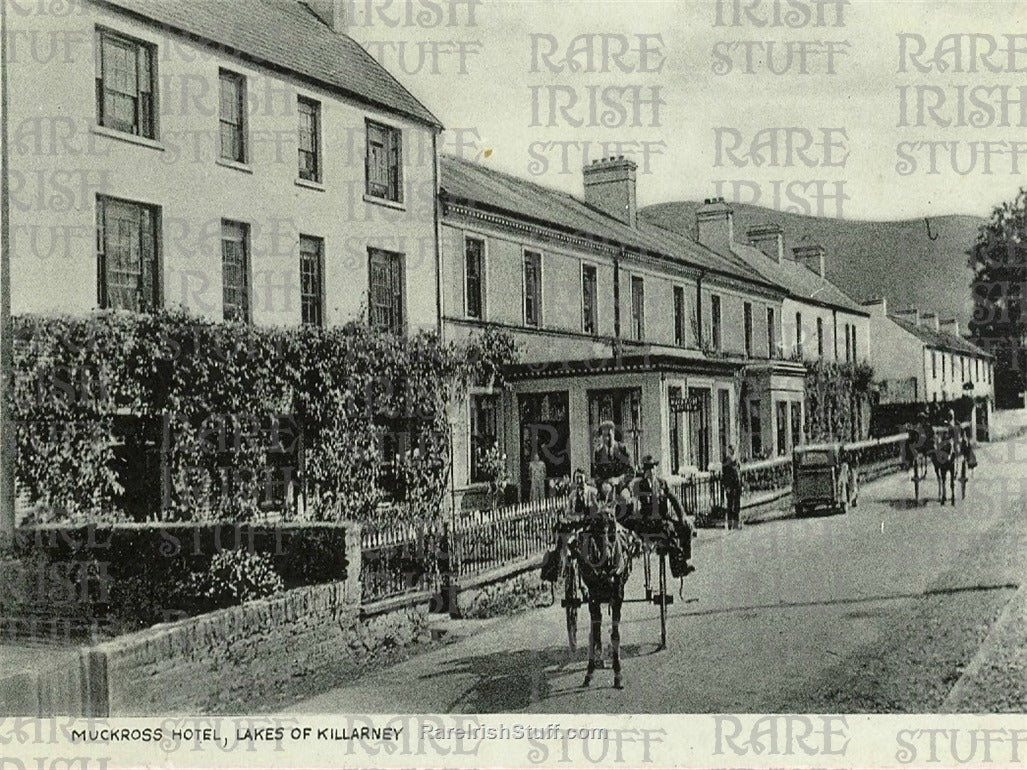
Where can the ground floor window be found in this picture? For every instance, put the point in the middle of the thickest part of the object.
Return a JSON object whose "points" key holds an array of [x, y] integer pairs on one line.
{"points": [[755, 429], [699, 428], [545, 435], [782, 427], [724, 420], [484, 436], [623, 407], [797, 437], [673, 398]]}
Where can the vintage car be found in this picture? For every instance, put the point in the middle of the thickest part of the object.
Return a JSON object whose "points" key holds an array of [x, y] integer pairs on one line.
{"points": [[822, 478]]}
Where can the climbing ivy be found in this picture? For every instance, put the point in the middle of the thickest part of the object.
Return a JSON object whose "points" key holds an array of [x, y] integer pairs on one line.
{"points": [[837, 400], [353, 415]]}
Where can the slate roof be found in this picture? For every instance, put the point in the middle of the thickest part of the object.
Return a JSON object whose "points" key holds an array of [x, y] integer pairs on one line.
{"points": [[942, 340], [801, 282], [285, 35], [473, 183]]}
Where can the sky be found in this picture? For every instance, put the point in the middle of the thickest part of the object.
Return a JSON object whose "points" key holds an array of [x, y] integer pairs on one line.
{"points": [[702, 118]]}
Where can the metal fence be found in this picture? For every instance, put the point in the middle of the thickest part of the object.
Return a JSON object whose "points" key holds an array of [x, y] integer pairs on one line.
{"points": [[407, 559], [484, 540], [403, 559], [702, 496]]}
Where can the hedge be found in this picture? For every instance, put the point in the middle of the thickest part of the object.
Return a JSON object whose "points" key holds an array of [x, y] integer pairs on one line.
{"points": [[133, 575], [172, 417]]}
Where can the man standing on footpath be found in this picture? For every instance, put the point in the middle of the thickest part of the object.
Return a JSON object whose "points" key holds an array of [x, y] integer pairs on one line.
{"points": [[731, 478]]}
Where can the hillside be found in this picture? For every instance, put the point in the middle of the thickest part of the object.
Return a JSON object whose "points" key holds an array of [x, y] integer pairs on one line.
{"points": [[891, 259]]}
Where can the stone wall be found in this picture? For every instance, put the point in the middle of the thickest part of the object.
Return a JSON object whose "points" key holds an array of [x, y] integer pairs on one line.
{"points": [[259, 651], [503, 591]]}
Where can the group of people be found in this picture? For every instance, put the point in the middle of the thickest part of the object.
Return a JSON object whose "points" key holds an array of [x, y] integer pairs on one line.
{"points": [[642, 501], [921, 439]]}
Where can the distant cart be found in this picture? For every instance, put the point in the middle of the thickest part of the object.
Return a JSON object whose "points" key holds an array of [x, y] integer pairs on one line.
{"points": [[822, 478]]}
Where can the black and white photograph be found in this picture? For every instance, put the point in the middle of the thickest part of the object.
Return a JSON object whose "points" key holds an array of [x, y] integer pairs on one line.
{"points": [[484, 361]]}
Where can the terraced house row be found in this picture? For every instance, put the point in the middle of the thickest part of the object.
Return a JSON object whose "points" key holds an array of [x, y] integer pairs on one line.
{"points": [[249, 161]]}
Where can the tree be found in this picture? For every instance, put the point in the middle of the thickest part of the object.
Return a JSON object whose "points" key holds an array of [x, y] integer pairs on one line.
{"points": [[999, 261]]}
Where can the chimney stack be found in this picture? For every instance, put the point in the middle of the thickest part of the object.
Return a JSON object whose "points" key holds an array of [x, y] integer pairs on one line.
{"points": [[876, 306], [949, 326], [769, 239], [929, 321], [811, 256], [610, 187], [911, 316], [714, 224], [331, 12]]}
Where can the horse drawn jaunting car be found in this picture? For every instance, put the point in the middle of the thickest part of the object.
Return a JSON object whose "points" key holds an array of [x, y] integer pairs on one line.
{"points": [[592, 562], [949, 449]]}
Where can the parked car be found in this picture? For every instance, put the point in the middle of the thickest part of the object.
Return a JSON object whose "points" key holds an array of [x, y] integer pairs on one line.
{"points": [[822, 478]]}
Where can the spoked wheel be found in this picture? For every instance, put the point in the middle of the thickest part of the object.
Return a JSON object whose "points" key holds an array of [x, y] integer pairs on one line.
{"points": [[648, 570], [663, 601], [571, 603]]}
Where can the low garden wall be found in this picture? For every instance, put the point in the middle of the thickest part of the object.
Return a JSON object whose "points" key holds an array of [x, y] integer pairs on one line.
{"points": [[502, 591], [256, 652]]}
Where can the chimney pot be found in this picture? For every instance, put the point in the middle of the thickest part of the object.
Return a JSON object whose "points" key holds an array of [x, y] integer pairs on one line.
{"points": [[911, 314], [331, 12], [876, 302], [812, 257], [714, 224], [950, 326], [768, 238], [610, 187]]}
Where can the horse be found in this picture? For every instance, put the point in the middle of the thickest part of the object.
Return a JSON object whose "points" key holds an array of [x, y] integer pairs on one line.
{"points": [[603, 550], [944, 460], [920, 443]]}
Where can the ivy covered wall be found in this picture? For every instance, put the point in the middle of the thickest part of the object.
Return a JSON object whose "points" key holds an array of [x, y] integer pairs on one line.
{"points": [[172, 417], [838, 400]]}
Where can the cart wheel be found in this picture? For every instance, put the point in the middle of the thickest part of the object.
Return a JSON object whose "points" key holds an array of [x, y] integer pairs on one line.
{"points": [[663, 601], [648, 571]]}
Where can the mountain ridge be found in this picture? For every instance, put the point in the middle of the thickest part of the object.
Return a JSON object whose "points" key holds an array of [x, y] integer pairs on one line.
{"points": [[895, 259]]}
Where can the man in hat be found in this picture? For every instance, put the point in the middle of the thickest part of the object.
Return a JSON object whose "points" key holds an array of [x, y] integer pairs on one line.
{"points": [[731, 479], [954, 432], [584, 499], [919, 440], [652, 512], [611, 463]]}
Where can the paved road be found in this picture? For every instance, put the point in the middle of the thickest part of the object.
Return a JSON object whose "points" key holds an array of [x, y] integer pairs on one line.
{"points": [[881, 609]]}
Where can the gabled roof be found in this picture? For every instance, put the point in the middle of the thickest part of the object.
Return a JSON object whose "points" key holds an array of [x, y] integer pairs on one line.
{"points": [[486, 188], [285, 35], [800, 282], [942, 340]]}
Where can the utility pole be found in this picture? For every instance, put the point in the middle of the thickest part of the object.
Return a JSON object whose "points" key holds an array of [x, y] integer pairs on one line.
{"points": [[7, 438]]}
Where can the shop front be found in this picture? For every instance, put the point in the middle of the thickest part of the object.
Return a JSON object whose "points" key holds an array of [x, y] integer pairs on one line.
{"points": [[678, 409]]}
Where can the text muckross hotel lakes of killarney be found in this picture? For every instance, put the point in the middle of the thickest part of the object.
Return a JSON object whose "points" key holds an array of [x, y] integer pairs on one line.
{"points": [[479, 383]]}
